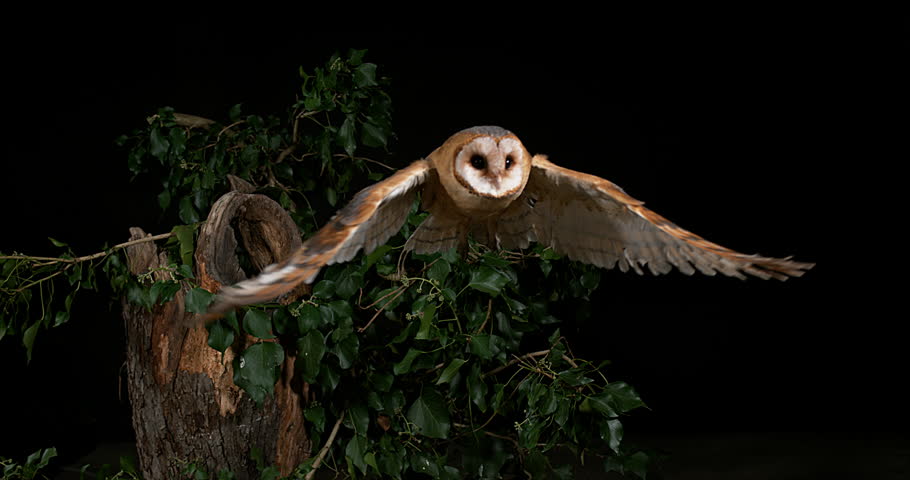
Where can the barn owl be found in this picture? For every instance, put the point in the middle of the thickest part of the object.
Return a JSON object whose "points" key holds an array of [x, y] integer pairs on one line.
{"points": [[483, 182]]}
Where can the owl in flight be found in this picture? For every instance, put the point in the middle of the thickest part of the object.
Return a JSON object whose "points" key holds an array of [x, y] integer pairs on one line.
{"points": [[483, 182]]}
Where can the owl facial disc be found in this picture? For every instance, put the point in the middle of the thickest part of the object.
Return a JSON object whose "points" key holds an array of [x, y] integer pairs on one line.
{"points": [[490, 167]]}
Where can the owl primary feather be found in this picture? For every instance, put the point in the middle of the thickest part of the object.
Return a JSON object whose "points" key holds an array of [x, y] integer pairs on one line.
{"points": [[482, 182]]}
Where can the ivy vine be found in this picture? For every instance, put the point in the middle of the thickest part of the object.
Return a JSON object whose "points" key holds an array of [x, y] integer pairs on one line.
{"points": [[440, 364]]}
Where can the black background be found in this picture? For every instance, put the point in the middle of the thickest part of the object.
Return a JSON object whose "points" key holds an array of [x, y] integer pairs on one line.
{"points": [[726, 128]]}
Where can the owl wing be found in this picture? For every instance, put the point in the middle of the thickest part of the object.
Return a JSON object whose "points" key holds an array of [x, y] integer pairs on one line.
{"points": [[594, 221], [369, 220]]}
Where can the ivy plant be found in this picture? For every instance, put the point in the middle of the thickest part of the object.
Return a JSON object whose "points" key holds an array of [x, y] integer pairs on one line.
{"points": [[446, 365]]}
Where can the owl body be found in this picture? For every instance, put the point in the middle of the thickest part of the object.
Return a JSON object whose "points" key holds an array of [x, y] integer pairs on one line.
{"points": [[482, 182]]}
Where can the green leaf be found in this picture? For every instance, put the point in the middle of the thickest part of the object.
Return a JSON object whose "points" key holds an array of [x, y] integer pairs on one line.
{"points": [[382, 382], [451, 255], [355, 57], [616, 398], [484, 346], [342, 309], [611, 432], [249, 156], [163, 291], [430, 414], [184, 234], [450, 370], [258, 324], [257, 369], [370, 459], [46, 455], [373, 135], [590, 279], [186, 271], [365, 75], [177, 140], [536, 464], [439, 271], [139, 295], [57, 243], [28, 339], [158, 144], [281, 321], [220, 336], [198, 300], [234, 113], [354, 452], [329, 376], [359, 419], [423, 464], [331, 196], [346, 351], [404, 365], [186, 210], [346, 136], [308, 318], [426, 322], [316, 416], [636, 463], [312, 349], [128, 466], [327, 314], [477, 389], [530, 433], [324, 289], [377, 254], [60, 318], [488, 280], [348, 283], [574, 377], [344, 329]]}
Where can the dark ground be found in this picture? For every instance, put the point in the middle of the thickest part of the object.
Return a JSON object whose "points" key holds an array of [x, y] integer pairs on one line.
{"points": [[710, 456], [732, 129]]}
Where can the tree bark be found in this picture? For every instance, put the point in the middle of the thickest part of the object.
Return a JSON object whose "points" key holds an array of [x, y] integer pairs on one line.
{"points": [[186, 408]]}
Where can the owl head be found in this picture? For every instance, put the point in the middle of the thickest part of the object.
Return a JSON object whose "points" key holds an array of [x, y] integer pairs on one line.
{"points": [[485, 163]]}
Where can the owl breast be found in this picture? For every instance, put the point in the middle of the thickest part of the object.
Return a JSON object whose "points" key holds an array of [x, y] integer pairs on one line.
{"points": [[472, 205]]}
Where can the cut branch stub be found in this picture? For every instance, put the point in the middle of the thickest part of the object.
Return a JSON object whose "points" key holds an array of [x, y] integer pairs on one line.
{"points": [[266, 232]]}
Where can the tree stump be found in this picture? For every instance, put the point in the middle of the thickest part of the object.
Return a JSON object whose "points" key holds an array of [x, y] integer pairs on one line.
{"points": [[186, 407]]}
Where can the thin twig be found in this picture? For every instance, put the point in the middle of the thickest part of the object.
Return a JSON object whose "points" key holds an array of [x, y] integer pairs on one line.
{"points": [[192, 121], [569, 360], [325, 448], [515, 360], [370, 160], [225, 129], [392, 292], [484, 324], [92, 256], [502, 437], [363, 328], [284, 153], [36, 282]]}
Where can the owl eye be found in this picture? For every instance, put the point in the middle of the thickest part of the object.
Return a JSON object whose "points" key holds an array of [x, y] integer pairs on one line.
{"points": [[509, 161], [478, 162]]}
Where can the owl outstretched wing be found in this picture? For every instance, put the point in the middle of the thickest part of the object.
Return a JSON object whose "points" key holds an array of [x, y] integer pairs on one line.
{"points": [[369, 220], [594, 221]]}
